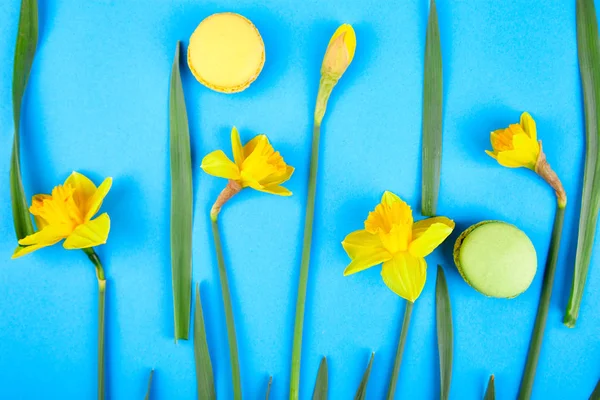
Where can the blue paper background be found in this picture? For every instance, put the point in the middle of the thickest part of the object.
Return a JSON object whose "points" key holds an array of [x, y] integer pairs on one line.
{"points": [[97, 103]]}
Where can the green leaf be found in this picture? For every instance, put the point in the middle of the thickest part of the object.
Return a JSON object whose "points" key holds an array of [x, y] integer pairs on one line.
{"points": [[320, 392], [490, 392], [27, 38], [432, 116], [361, 393], [269, 388], [204, 372], [149, 385], [589, 69], [596, 393], [443, 317], [181, 204]]}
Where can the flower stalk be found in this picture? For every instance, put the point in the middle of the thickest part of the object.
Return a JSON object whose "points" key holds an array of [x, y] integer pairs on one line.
{"points": [[101, 303], [255, 165], [400, 350], [514, 147], [338, 56], [230, 190], [543, 169]]}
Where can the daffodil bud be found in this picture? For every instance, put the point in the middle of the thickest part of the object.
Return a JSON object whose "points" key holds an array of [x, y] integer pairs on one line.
{"points": [[338, 57], [340, 52]]}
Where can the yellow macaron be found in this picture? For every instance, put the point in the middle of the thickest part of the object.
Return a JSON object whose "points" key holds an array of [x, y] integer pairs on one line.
{"points": [[226, 52]]}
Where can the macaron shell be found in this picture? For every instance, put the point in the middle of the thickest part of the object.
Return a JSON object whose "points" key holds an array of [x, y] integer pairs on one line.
{"points": [[226, 52], [496, 259]]}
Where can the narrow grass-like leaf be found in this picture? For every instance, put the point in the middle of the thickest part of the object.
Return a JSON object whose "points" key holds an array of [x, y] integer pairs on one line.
{"points": [[204, 371], [269, 388], [443, 317], [432, 116], [490, 392], [149, 385], [361, 393], [589, 69], [181, 204], [596, 393], [27, 38], [320, 392]]}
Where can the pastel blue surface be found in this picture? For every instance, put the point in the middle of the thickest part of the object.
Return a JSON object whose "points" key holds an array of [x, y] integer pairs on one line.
{"points": [[97, 103]]}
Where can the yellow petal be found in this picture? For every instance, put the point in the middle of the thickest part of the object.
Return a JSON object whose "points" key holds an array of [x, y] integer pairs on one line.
{"points": [[429, 234], [83, 187], [366, 261], [525, 143], [278, 179], [525, 153], [528, 125], [360, 243], [491, 154], [236, 147], [95, 202], [405, 275], [90, 234], [251, 145], [217, 164], [42, 238], [20, 251], [277, 190]]}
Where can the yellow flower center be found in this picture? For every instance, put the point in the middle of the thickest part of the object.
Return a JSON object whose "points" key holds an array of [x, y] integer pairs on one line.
{"points": [[392, 222], [59, 209]]}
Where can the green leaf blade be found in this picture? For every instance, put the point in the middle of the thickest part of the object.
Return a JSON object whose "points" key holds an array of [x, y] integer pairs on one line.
{"points": [[181, 204], [269, 388], [445, 334], [596, 393], [149, 390], [490, 392], [589, 68], [27, 38], [204, 371], [432, 116], [361, 393], [321, 385]]}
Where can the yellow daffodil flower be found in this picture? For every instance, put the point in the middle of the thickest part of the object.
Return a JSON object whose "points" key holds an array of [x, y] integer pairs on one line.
{"points": [[392, 238], [340, 52], [256, 165], [517, 145], [67, 214]]}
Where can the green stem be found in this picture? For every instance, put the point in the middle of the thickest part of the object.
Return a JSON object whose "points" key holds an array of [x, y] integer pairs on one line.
{"points": [[400, 350], [101, 301], [303, 281], [542, 313], [325, 87], [231, 337]]}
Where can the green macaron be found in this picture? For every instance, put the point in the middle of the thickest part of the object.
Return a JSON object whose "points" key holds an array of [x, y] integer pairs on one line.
{"points": [[496, 259]]}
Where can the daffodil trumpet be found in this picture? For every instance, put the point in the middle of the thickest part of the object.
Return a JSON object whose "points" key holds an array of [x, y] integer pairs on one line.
{"points": [[255, 165], [67, 213], [518, 146], [338, 56], [391, 237]]}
